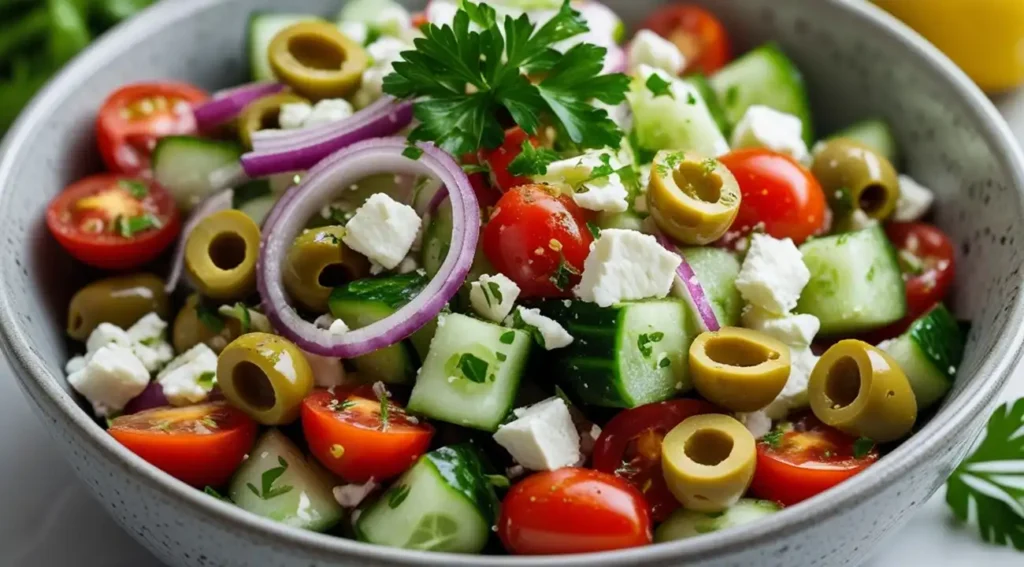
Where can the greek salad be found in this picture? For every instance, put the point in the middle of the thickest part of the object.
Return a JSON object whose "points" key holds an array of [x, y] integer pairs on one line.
{"points": [[502, 278]]}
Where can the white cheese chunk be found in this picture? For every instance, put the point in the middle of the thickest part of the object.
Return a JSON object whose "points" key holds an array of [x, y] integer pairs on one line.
{"points": [[794, 330], [110, 379], [553, 334], [859, 220], [649, 48], [542, 437], [75, 364], [189, 378], [794, 394], [492, 297], [383, 52], [765, 127], [914, 200], [757, 423], [293, 115], [356, 31], [327, 111], [150, 328], [773, 274], [149, 341], [573, 175], [626, 265], [105, 334], [383, 230], [338, 327], [409, 264]]}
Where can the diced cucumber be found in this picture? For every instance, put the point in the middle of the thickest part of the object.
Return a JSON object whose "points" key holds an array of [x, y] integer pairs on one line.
{"points": [[929, 353], [626, 355], [369, 13], [875, 134], [437, 240], [684, 524], [763, 76], [263, 26], [716, 271], [278, 482], [628, 220], [471, 374], [443, 503], [856, 284], [183, 164], [681, 121], [703, 86]]}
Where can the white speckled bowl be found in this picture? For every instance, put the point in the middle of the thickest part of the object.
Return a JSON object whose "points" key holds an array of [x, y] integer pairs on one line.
{"points": [[858, 63]]}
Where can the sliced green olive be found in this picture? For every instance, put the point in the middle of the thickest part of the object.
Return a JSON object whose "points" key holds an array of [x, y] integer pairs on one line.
{"points": [[197, 323], [317, 61], [739, 369], [263, 114], [317, 263], [221, 253], [692, 199], [861, 390], [121, 300], [708, 462], [856, 177], [265, 376]]}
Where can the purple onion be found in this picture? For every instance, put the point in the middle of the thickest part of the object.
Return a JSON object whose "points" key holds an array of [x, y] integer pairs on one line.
{"points": [[213, 204], [691, 290], [227, 105], [152, 397]]}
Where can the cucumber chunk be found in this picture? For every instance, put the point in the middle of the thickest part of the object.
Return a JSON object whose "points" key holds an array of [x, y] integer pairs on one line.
{"points": [[929, 353], [278, 482], [683, 524], [716, 271], [437, 241], [183, 164], [875, 134], [471, 374], [703, 86], [856, 284], [681, 121], [626, 355], [443, 503], [262, 29]]}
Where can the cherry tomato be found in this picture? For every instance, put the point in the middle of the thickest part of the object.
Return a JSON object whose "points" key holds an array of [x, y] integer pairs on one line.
{"points": [[926, 257], [113, 221], [573, 510], [696, 32], [486, 195], [807, 458], [499, 159], [349, 435], [200, 445], [777, 193], [134, 117], [630, 447], [538, 240]]}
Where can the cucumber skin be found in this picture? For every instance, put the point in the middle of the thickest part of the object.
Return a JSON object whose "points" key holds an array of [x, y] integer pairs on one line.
{"points": [[874, 133], [929, 354], [462, 467]]}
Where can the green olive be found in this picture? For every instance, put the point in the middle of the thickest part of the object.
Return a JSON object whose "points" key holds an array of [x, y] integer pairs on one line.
{"points": [[121, 300], [317, 263], [265, 376], [317, 61], [221, 254], [694, 200], [856, 177], [708, 461], [190, 329], [739, 369], [861, 390], [262, 114]]}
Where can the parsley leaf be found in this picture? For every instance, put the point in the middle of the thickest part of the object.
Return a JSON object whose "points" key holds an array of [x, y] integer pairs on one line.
{"points": [[473, 368], [498, 481], [397, 495], [493, 290], [267, 480], [130, 226], [134, 188], [209, 318], [773, 438], [412, 152], [563, 273], [659, 86], [507, 338], [532, 161], [206, 380], [861, 447], [644, 342], [518, 323], [595, 230]]}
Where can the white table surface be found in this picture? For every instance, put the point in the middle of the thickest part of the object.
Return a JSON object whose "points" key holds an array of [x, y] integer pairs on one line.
{"points": [[48, 519]]}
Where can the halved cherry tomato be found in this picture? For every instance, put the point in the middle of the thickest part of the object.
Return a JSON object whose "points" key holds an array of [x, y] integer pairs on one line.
{"points": [[200, 445], [135, 117], [630, 447], [114, 221], [777, 193], [926, 258], [573, 510], [499, 159], [538, 240], [486, 195], [348, 434], [696, 32], [806, 459]]}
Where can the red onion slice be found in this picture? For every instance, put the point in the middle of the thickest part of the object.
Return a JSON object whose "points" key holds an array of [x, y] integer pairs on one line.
{"points": [[319, 187], [614, 60], [227, 105], [688, 287], [152, 397], [213, 204], [268, 140]]}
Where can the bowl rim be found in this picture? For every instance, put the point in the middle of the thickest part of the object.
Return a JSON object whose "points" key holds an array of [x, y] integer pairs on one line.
{"points": [[43, 387]]}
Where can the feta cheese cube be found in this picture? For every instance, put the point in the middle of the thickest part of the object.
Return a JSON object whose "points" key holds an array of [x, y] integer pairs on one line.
{"points": [[356, 31], [773, 274], [154, 355], [794, 330], [327, 111], [859, 220], [757, 423], [293, 115], [384, 52], [794, 394], [149, 341], [105, 334], [383, 230], [189, 378], [78, 362], [408, 265], [649, 48], [553, 334], [492, 297], [150, 328], [573, 175], [543, 437], [914, 200], [338, 327], [626, 265], [110, 379], [765, 127]]}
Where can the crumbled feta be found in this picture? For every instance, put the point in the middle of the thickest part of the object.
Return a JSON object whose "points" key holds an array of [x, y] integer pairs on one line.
{"points": [[573, 175], [328, 371], [794, 394], [626, 265], [384, 52], [859, 220], [105, 334], [794, 330], [649, 48], [492, 297], [149, 342], [150, 328], [356, 31], [914, 200], [757, 423], [383, 230], [554, 335], [327, 111], [408, 265], [78, 362], [542, 437], [338, 327], [773, 274], [189, 378], [324, 321], [293, 115], [352, 495], [765, 127], [110, 379]]}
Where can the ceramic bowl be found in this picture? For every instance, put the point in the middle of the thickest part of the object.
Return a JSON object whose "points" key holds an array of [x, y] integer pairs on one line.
{"points": [[858, 62]]}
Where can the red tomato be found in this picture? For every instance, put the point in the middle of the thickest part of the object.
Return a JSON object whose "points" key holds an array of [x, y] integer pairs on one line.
{"points": [[696, 32], [573, 510], [347, 434], [200, 445], [778, 193], [134, 117], [926, 256], [630, 447], [538, 240], [806, 460], [486, 195], [114, 221], [499, 159]]}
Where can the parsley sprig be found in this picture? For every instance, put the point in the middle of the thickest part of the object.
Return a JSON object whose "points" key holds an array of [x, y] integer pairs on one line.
{"points": [[267, 480]]}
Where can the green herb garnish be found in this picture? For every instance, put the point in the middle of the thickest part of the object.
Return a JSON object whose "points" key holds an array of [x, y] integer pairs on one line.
{"points": [[130, 226], [659, 86], [397, 495], [498, 480], [206, 380], [267, 480], [645, 340], [532, 161], [209, 318], [134, 188], [773, 438], [507, 338], [595, 230], [412, 152], [563, 273], [473, 368], [861, 447]]}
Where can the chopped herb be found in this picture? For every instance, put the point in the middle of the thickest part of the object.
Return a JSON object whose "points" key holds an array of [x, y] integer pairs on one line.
{"points": [[644, 342], [502, 357], [871, 273], [603, 170], [690, 99], [507, 338], [861, 447], [134, 188], [498, 480], [206, 380], [385, 409], [669, 163], [563, 273], [518, 323], [267, 480], [151, 341], [773, 438], [532, 161], [473, 368], [412, 152], [472, 168], [709, 165], [208, 422], [397, 495], [732, 95], [659, 86], [665, 363], [213, 492], [337, 215], [595, 230], [495, 292], [339, 405], [337, 451], [209, 318], [130, 226]]}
